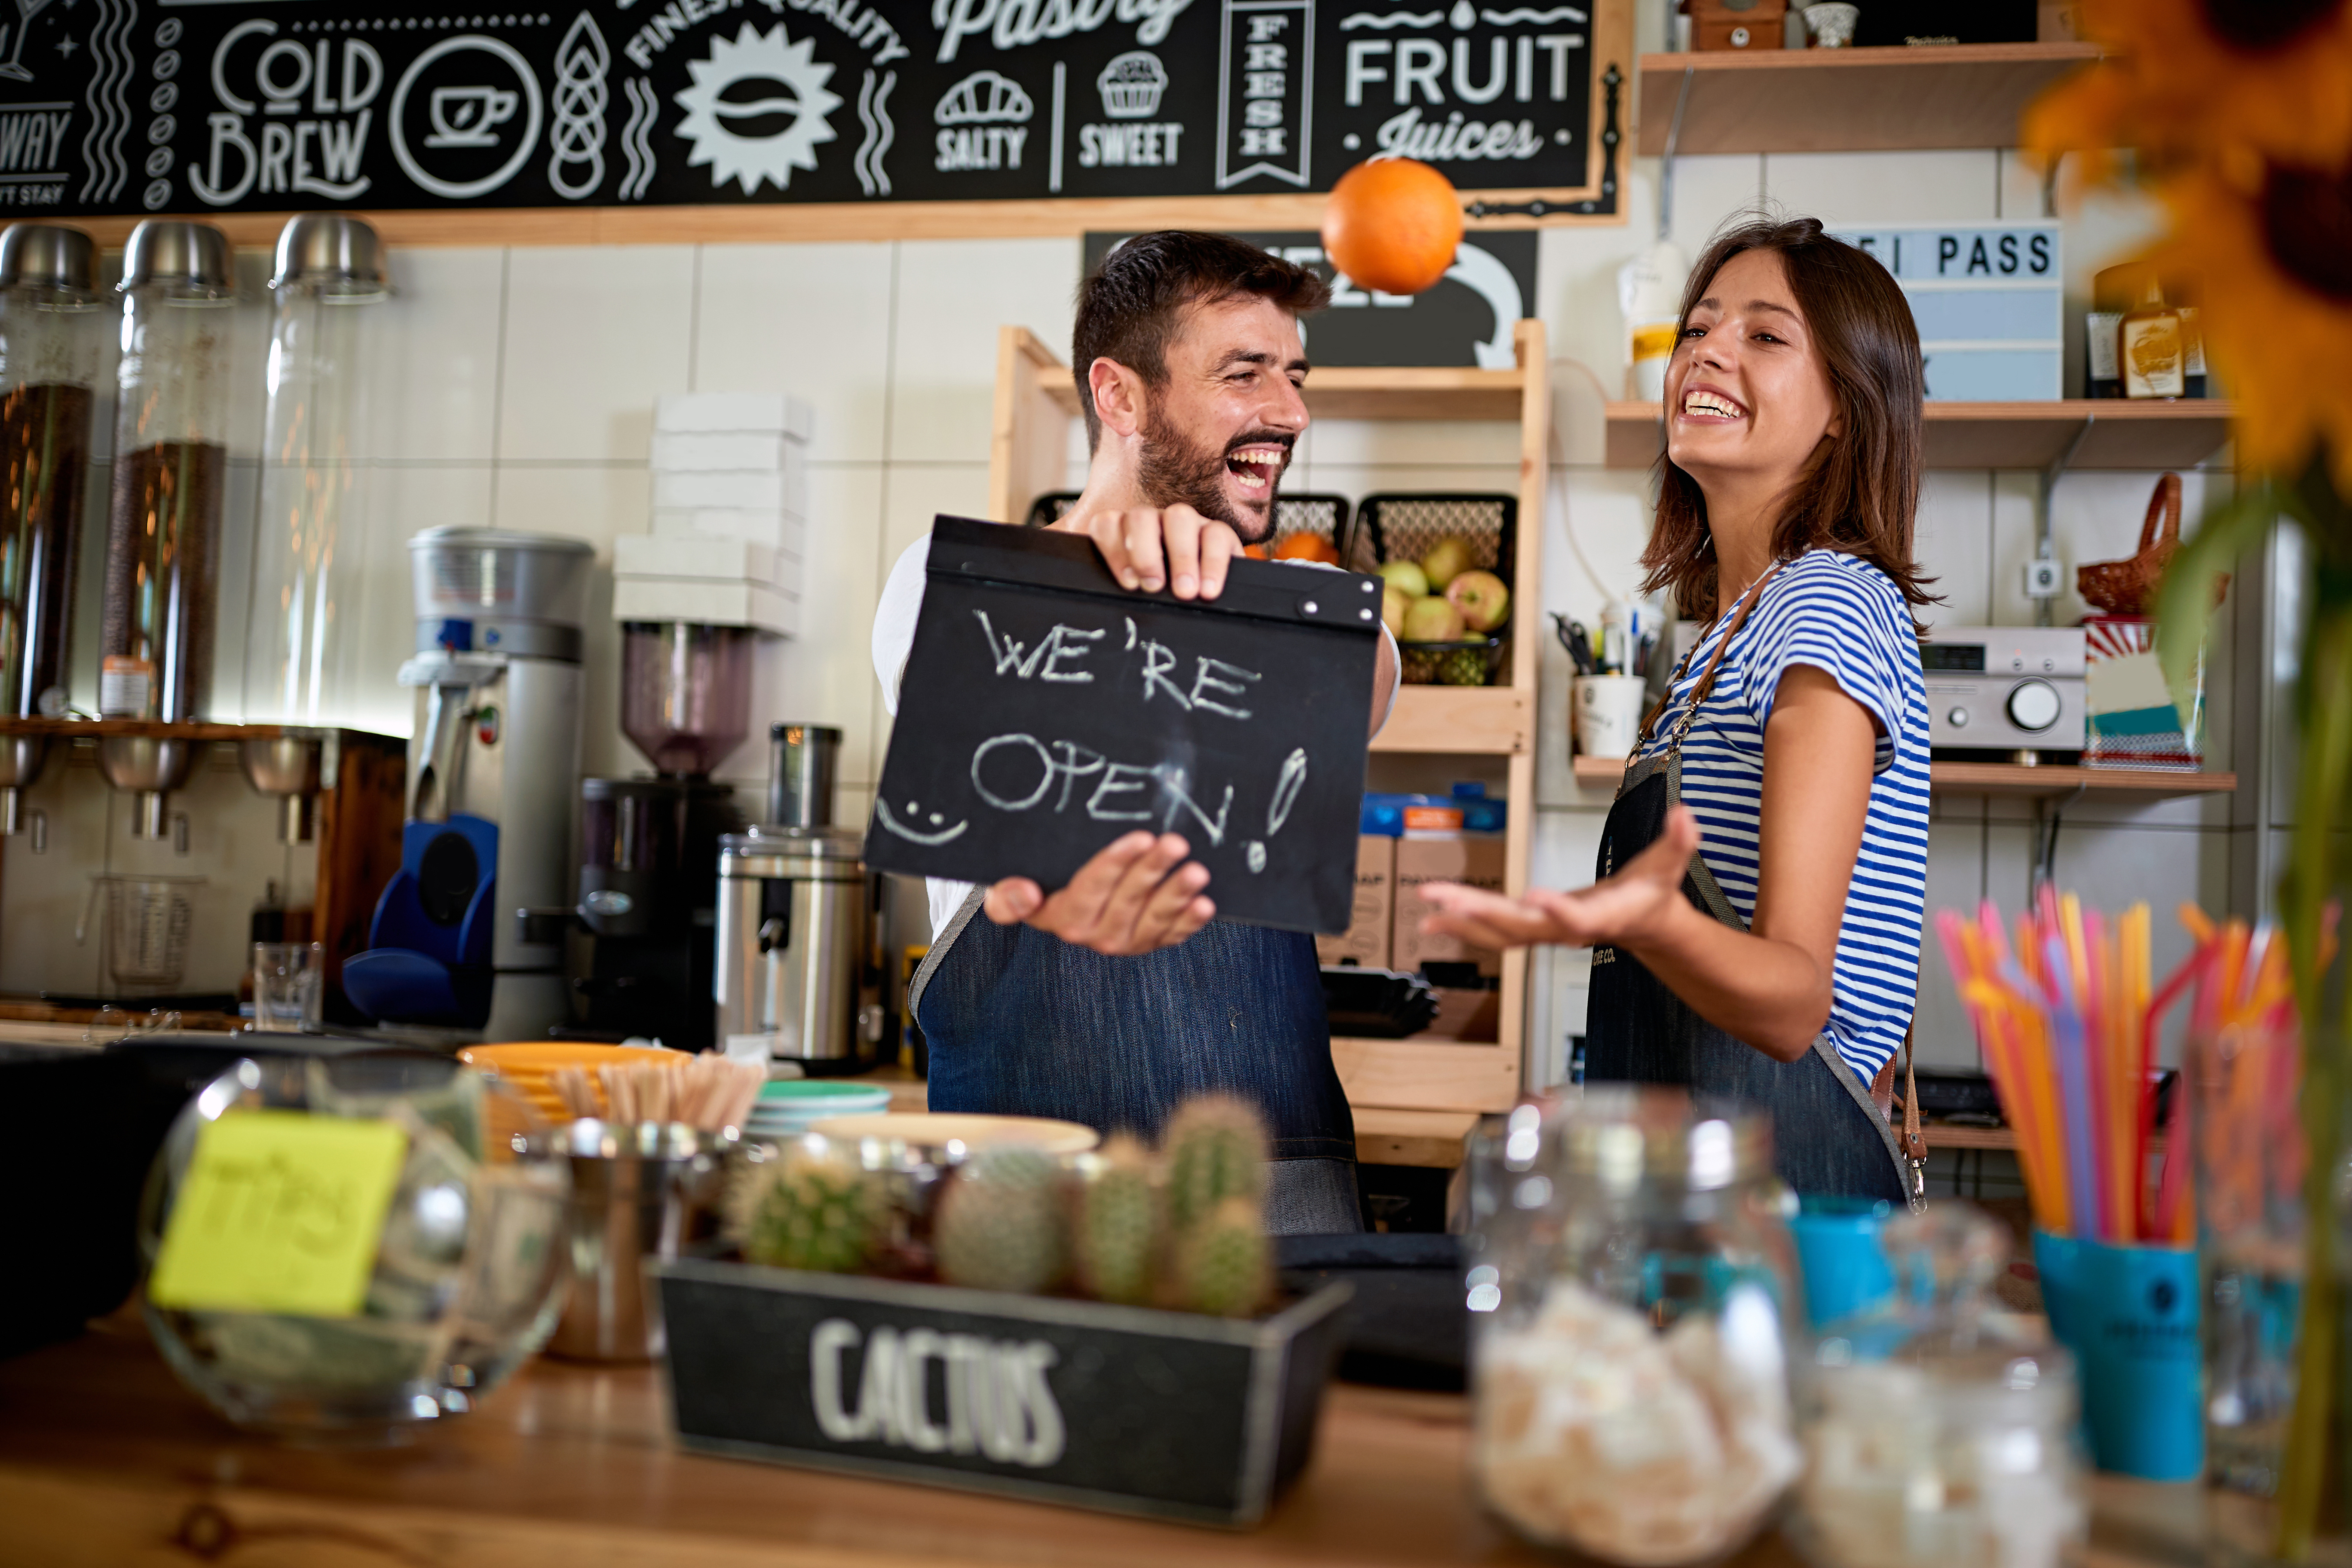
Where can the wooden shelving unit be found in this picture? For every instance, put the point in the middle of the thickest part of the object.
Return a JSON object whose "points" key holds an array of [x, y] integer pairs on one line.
{"points": [[2006, 779], [2116, 433], [1841, 101], [1029, 454]]}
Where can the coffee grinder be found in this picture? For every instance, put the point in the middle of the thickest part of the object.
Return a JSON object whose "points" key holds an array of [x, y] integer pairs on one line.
{"points": [[491, 773], [639, 954]]}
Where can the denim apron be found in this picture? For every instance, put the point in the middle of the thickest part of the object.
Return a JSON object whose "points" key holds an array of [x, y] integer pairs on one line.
{"points": [[1828, 1138], [1021, 1023]]}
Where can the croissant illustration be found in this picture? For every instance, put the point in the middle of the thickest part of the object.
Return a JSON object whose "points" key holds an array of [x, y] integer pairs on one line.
{"points": [[983, 97]]}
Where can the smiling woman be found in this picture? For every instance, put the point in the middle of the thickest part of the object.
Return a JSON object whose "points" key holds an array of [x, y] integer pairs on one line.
{"points": [[1756, 925]]}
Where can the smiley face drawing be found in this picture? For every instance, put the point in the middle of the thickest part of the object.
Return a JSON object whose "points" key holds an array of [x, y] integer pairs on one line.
{"points": [[938, 835]]}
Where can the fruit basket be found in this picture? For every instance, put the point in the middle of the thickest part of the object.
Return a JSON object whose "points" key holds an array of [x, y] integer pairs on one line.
{"points": [[1471, 661], [1447, 557]]}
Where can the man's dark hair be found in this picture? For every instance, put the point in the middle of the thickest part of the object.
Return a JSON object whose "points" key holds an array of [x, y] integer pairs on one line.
{"points": [[1130, 304]]}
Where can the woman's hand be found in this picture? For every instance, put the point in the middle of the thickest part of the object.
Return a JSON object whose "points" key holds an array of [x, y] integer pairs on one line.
{"points": [[1630, 909]]}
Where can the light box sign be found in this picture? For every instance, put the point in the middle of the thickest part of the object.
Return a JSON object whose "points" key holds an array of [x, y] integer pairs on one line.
{"points": [[1464, 319], [1989, 302]]}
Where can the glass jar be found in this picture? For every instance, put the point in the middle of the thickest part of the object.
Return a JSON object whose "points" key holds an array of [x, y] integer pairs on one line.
{"points": [[52, 336], [1633, 1290], [309, 546], [468, 1269], [171, 465], [1938, 1434]]}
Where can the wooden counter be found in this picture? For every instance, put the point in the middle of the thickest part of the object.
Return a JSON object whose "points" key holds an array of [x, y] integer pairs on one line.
{"points": [[106, 1461]]}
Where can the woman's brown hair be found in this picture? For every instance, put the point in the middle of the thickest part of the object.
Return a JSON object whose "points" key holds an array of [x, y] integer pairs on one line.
{"points": [[1860, 490]]}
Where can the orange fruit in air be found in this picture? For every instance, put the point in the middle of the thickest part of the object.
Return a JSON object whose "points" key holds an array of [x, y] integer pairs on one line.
{"points": [[1392, 224], [1307, 547]]}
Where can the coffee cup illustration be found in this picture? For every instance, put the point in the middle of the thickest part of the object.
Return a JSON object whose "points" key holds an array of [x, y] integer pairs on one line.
{"points": [[466, 116]]}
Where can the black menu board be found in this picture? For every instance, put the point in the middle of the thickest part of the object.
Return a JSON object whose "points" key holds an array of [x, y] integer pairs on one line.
{"points": [[131, 106]]}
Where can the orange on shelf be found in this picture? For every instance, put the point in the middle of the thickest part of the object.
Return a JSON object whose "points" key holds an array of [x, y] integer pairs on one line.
{"points": [[1307, 547]]}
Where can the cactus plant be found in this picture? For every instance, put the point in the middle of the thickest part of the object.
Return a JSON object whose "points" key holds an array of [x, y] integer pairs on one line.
{"points": [[1117, 1234], [1002, 1223], [1222, 1265], [1215, 1148], [822, 1213]]}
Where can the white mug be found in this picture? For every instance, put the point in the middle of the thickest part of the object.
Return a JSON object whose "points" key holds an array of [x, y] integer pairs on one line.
{"points": [[1608, 713]]}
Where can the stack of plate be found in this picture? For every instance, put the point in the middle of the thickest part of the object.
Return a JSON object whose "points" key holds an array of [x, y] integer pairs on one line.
{"points": [[529, 1066], [789, 1107]]}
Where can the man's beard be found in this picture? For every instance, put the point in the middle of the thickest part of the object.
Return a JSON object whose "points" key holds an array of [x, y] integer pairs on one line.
{"points": [[1176, 472]]}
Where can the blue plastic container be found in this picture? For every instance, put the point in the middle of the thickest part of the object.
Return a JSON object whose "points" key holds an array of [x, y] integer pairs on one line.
{"points": [[2129, 1314], [1845, 1268]]}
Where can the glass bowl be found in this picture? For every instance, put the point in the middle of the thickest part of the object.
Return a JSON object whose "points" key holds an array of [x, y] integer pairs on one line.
{"points": [[469, 1273]]}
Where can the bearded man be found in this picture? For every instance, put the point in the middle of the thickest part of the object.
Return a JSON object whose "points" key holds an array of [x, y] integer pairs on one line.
{"points": [[1114, 998]]}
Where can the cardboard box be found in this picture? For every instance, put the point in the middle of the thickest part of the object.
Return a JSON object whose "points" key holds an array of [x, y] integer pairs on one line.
{"points": [[1365, 942], [711, 602], [719, 451], [1477, 858], [779, 530], [707, 556]]}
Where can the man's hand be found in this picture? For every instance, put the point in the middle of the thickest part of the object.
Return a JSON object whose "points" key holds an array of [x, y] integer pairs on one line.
{"points": [[1626, 910], [1136, 895], [1149, 548]]}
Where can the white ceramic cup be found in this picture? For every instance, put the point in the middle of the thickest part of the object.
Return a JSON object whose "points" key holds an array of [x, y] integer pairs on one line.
{"points": [[1608, 713]]}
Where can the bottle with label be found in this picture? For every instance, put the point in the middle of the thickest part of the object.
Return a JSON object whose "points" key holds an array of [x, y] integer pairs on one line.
{"points": [[2151, 350], [2112, 293]]}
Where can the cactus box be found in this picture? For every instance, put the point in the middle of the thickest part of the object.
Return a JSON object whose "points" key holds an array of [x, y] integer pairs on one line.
{"points": [[1176, 1416]]}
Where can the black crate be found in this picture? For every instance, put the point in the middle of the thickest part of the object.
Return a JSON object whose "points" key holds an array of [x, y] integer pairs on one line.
{"points": [[1306, 511], [1124, 1409]]}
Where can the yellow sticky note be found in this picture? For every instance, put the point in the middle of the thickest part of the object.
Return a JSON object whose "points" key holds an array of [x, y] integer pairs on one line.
{"points": [[280, 1211]]}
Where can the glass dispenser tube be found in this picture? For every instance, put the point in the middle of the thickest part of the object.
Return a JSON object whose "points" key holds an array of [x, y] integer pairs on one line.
{"points": [[51, 340], [309, 546], [171, 463]]}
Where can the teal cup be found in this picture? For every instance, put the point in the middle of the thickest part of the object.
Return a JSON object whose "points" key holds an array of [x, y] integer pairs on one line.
{"points": [[1838, 1248], [2129, 1314]]}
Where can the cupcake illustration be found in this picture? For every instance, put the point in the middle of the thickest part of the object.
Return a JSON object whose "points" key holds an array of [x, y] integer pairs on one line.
{"points": [[1132, 85]]}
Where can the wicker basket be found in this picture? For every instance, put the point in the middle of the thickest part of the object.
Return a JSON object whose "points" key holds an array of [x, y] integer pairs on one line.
{"points": [[2127, 587], [1473, 661]]}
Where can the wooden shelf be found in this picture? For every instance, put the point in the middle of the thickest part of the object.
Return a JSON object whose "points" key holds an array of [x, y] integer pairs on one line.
{"points": [[1427, 1075], [2116, 433], [1485, 720], [2009, 779], [2005, 779], [1940, 1136], [1841, 101], [1402, 392]]}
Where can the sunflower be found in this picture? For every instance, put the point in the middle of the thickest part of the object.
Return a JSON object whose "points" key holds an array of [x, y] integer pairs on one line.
{"points": [[2240, 112]]}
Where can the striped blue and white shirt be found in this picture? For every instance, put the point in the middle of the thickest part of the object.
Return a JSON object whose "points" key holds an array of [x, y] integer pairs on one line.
{"points": [[1841, 614]]}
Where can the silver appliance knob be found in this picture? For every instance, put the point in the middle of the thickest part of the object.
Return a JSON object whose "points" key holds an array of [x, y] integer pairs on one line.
{"points": [[1958, 718], [2033, 706]]}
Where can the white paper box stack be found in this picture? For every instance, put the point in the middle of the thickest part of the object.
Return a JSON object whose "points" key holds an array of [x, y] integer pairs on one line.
{"points": [[729, 514]]}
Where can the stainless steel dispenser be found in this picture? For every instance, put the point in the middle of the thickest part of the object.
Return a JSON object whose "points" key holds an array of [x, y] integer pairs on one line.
{"points": [[791, 947], [491, 774], [797, 981]]}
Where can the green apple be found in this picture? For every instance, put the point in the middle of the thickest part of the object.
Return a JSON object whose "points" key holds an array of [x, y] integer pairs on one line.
{"points": [[1394, 602], [1406, 576], [1447, 559], [1431, 619], [1481, 599]]}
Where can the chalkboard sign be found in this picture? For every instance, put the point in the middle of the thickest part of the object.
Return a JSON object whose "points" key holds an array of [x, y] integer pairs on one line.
{"points": [[114, 106], [1044, 711]]}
